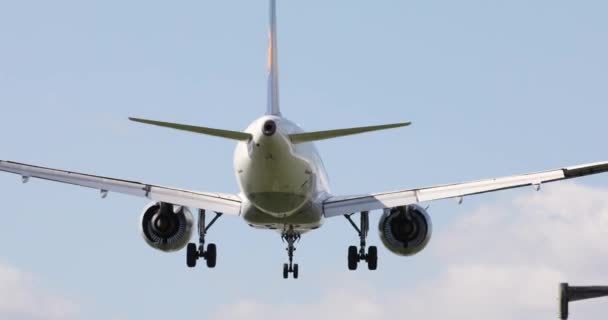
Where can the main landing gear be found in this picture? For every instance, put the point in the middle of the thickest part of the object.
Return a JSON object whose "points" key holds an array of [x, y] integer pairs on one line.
{"points": [[354, 255], [193, 252], [290, 237]]}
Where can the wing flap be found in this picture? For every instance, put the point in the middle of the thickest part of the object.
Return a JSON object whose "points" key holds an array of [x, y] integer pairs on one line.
{"points": [[345, 205], [225, 203]]}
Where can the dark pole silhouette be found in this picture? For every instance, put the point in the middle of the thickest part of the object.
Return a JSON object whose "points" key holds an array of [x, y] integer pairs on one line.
{"points": [[568, 294]]}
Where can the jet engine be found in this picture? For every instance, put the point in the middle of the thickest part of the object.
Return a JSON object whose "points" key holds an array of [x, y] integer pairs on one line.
{"points": [[405, 230], [166, 227]]}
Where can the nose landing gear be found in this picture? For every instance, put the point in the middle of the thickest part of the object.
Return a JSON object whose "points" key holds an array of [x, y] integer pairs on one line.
{"points": [[354, 255], [193, 252], [290, 237]]}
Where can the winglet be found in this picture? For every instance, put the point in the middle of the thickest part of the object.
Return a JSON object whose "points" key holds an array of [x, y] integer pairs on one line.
{"points": [[234, 135], [329, 134]]}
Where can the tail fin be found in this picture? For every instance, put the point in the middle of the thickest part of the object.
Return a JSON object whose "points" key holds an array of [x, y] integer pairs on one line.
{"points": [[273, 71], [330, 134]]}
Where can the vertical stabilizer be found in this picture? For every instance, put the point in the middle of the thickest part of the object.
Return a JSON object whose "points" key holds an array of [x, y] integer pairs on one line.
{"points": [[273, 71]]}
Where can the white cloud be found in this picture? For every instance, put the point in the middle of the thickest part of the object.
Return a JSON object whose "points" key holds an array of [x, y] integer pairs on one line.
{"points": [[345, 303], [22, 298], [502, 261]]}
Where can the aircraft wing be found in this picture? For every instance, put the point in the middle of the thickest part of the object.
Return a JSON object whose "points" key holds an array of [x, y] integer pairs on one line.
{"points": [[336, 206], [224, 203]]}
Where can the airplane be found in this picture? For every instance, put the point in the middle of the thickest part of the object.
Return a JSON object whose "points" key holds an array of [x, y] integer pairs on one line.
{"points": [[284, 187]]}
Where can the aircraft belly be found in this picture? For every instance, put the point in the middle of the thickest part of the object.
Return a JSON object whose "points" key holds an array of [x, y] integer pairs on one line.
{"points": [[278, 185], [308, 218]]}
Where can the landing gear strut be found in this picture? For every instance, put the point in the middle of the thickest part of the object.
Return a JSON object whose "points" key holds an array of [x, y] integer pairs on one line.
{"points": [[354, 255], [193, 252], [290, 237]]}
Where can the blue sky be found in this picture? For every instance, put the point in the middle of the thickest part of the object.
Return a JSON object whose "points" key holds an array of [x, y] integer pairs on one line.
{"points": [[493, 88]]}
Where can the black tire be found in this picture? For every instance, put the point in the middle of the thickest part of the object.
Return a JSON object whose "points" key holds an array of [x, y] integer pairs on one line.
{"points": [[285, 271], [372, 258], [211, 255], [353, 258], [191, 255], [295, 271]]}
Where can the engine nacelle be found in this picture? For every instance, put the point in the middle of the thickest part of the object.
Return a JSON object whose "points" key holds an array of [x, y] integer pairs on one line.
{"points": [[405, 230], [166, 227]]}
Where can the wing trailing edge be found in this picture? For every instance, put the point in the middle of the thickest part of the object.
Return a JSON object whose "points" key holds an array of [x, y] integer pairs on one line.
{"points": [[338, 206]]}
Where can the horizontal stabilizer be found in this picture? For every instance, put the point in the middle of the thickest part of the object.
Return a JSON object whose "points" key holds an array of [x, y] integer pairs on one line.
{"points": [[322, 135], [234, 135]]}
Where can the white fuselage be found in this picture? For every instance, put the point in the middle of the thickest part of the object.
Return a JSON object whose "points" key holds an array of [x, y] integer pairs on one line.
{"points": [[282, 184]]}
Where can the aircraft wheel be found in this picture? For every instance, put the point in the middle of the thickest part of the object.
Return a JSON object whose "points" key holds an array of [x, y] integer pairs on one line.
{"points": [[372, 258], [295, 271], [191, 255], [211, 255], [285, 271], [353, 258]]}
